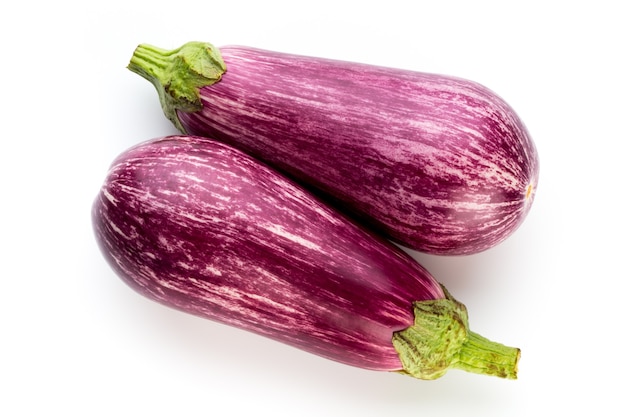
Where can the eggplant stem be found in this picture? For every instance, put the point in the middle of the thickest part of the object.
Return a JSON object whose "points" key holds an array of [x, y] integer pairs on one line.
{"points": [[178, 74], [440, 340]]}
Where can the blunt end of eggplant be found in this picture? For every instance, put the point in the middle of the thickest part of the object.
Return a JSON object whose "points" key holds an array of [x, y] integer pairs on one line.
{"points": [[178, 74], [440, 339]]}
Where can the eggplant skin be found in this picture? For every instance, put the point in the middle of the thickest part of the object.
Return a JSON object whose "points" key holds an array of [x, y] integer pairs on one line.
{"points": [[436, 163], [204, 228]]}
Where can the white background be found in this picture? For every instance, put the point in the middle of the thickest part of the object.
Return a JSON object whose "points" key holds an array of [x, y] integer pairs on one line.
{"points": [[77, 341]]}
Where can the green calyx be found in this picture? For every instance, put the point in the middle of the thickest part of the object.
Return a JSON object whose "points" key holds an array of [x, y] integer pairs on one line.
{"points": [[179, 74], [440, 339]]}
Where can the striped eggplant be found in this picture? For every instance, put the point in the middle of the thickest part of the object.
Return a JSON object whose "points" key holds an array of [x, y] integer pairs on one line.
{"points": [[202, 227], [436, 163]]}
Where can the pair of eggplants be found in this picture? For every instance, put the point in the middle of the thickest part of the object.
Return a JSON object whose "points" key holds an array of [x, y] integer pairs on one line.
{"points": [[275, 209]]}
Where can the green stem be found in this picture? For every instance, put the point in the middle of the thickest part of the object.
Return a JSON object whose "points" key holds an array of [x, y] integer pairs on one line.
{"points": [[179, 74], [440, 339]]}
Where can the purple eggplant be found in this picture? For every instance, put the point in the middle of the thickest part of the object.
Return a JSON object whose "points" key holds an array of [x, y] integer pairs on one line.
{"points": [[205, 228], [436, 163]]}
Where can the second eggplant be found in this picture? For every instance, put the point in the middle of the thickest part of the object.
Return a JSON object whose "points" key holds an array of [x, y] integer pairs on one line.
{"points": [[204, 228]]}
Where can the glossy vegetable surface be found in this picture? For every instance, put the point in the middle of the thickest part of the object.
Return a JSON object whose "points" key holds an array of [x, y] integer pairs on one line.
{"points": [[204, 228], [436, 163]]}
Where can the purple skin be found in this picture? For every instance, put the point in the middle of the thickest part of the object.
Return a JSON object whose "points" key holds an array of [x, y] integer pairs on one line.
{"points": [[206, 229], [438, 164]]}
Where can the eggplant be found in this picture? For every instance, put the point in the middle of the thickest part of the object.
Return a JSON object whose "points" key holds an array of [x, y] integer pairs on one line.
{"points": [[436, 163], [204, 228]]}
